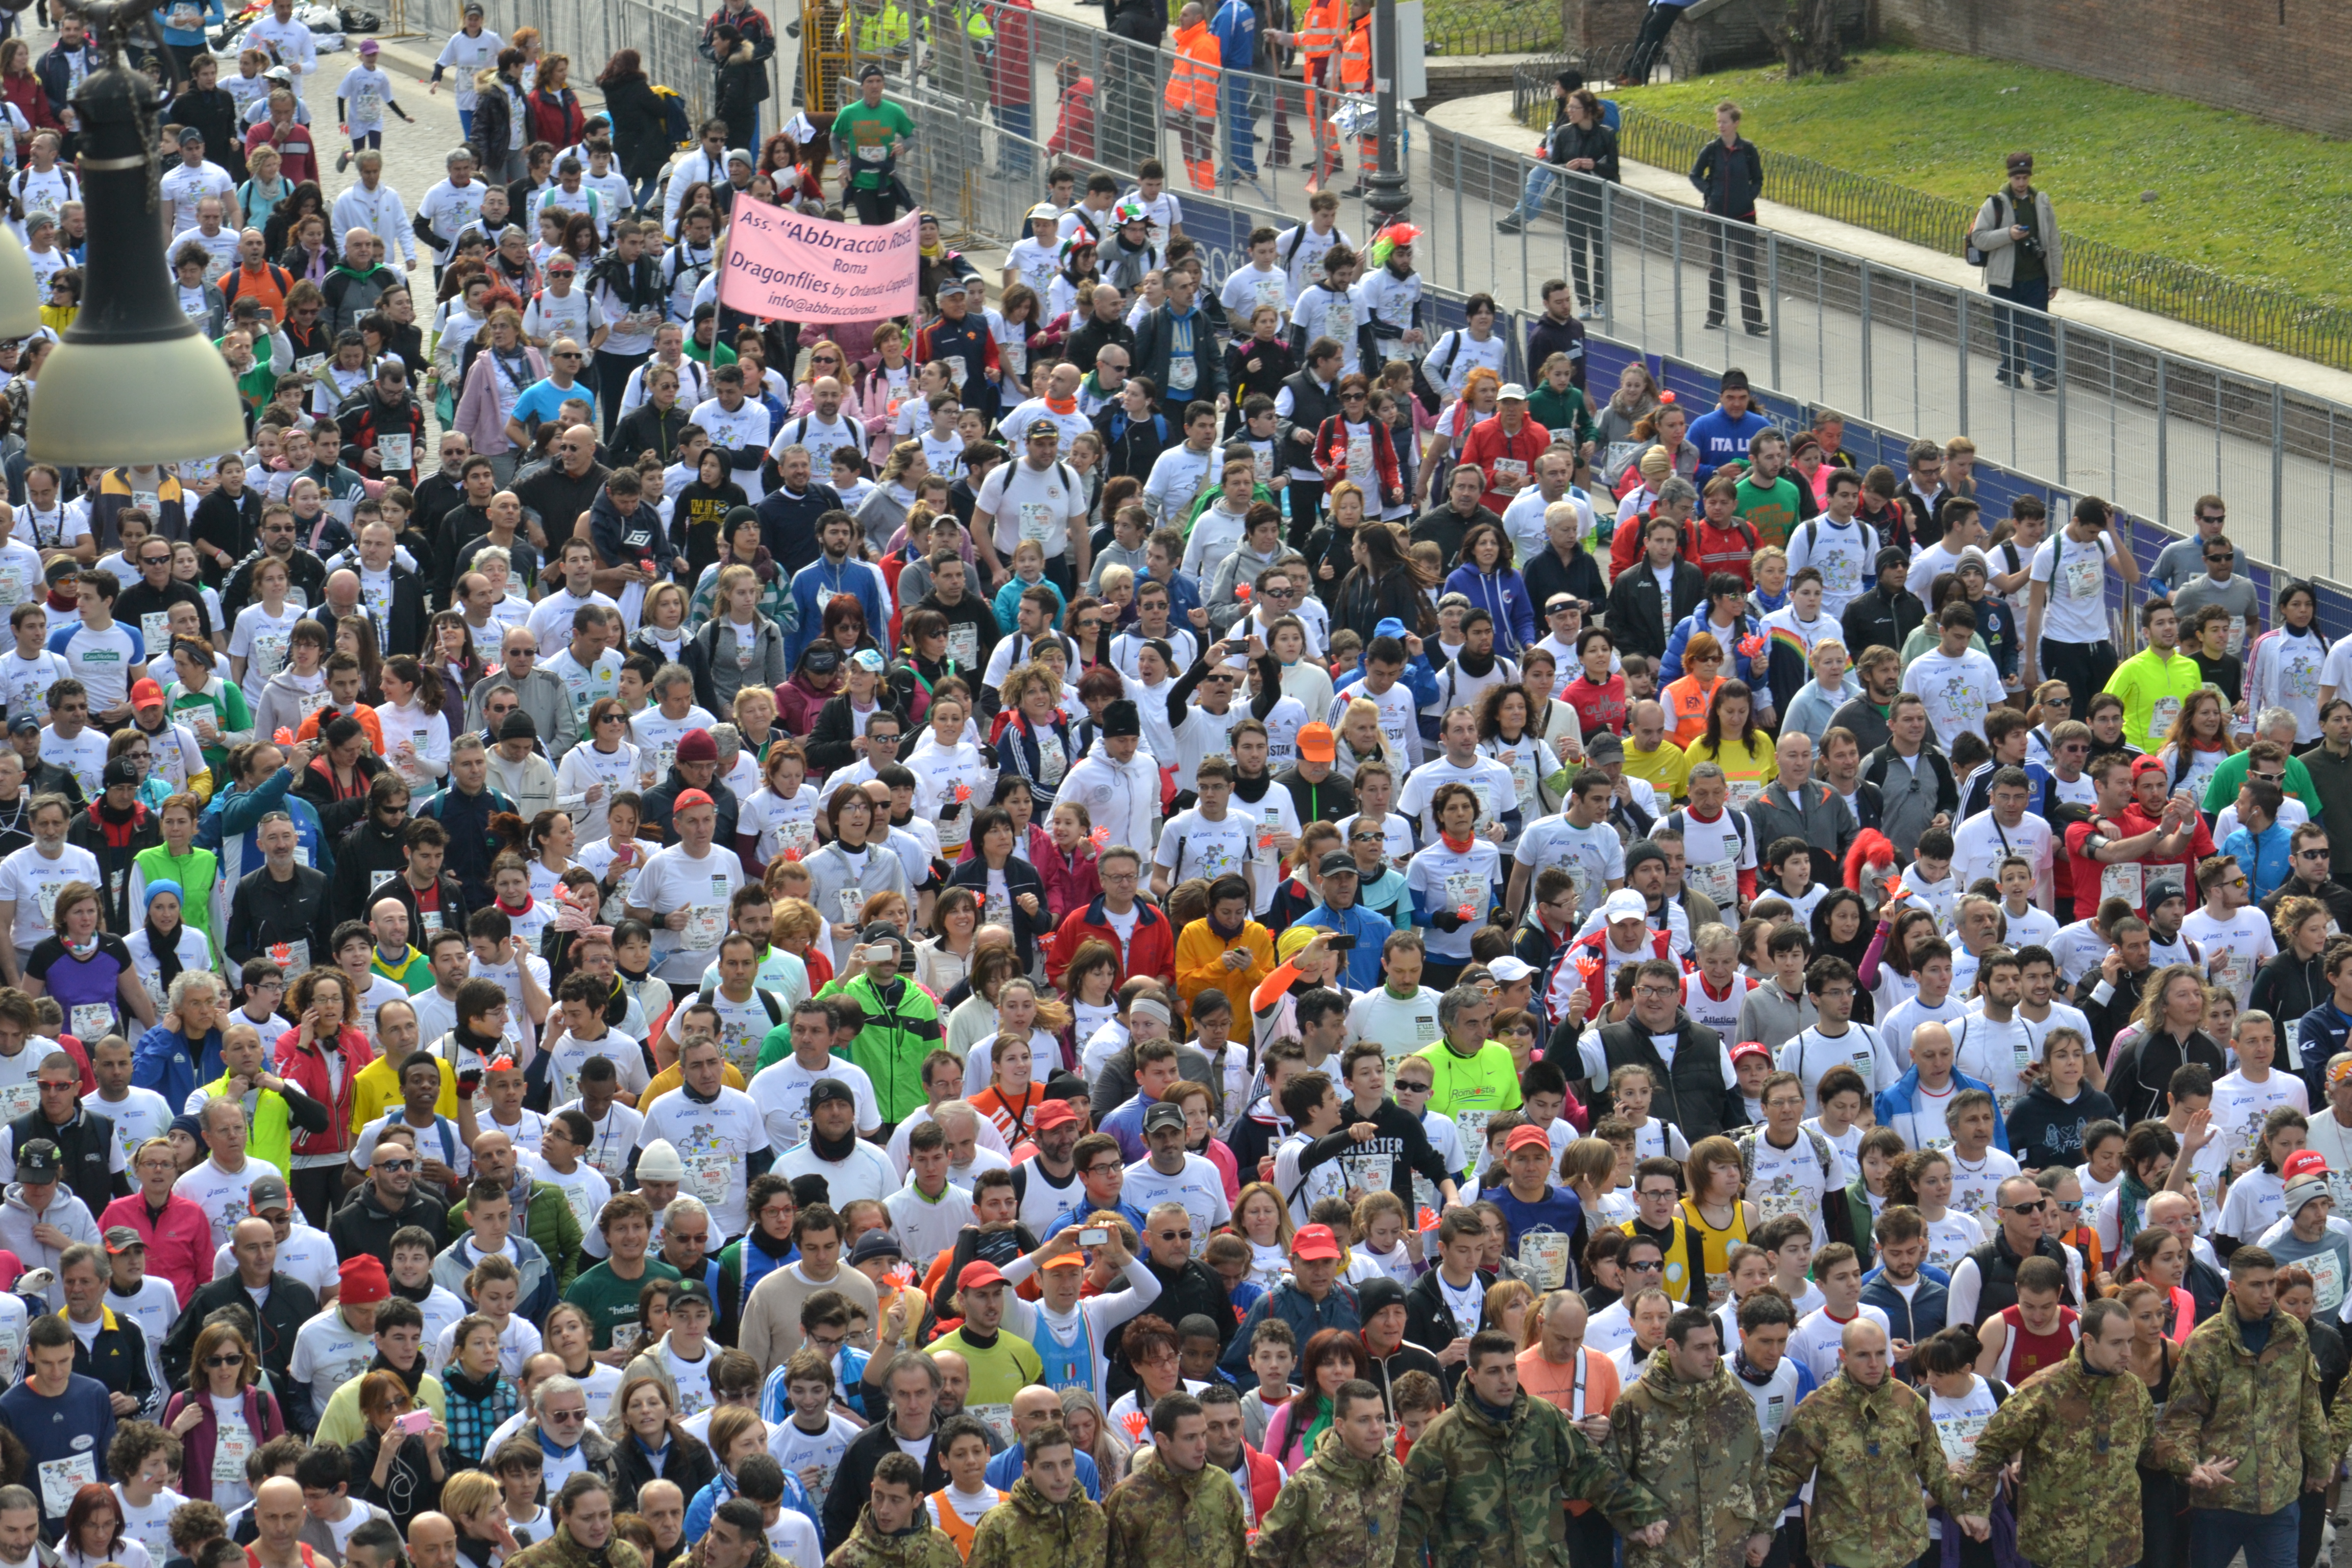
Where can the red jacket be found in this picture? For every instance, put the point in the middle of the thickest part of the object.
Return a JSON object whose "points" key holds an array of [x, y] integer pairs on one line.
{"points": [[1487, 446], [555, 118], [179, 1241], [1075, 136], [307, 1071], [1152, 952], [1713, 549], [1071, 883], [1331, 456], [297, 149], [1009, 64]]}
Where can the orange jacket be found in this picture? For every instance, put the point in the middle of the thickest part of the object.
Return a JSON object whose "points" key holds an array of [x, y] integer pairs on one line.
{"points": [[1687, 701], [1356, 59], [1201, 964], [362, 712], [1192, 78], [1321, 33]]}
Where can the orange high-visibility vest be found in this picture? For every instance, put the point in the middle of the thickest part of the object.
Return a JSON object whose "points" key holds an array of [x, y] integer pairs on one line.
{"points": [[1192, 76], [1356, 59], [1326, 27]]}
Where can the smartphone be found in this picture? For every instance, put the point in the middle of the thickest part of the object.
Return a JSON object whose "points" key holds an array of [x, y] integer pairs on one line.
{"points": [[1094, 1236], [1340, 944], [948, 812], [415, 1423]]}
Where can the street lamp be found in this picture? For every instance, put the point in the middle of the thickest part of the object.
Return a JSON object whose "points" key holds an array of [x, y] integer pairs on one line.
{"points": [[133, 380], [1386, 196]]}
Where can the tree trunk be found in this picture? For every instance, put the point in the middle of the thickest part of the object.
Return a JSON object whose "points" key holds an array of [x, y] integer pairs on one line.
{"points": [[1809, 39]]}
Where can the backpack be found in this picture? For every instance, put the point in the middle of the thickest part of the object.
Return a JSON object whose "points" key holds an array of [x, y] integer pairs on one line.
{"points": [[1968, 251], [1821, 1153], [676, 124]]}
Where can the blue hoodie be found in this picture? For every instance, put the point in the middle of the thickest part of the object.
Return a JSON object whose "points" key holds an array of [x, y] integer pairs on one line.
{"points": [[1722, 440], [1894, 1108], [173, 1065]]}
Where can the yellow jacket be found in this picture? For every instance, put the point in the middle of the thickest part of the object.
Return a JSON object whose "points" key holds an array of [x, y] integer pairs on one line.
{"points": [[1201, 964]]}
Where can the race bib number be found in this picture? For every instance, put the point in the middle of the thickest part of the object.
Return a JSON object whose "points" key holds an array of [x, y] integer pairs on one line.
{"points": [[1466, 889], [850, 901], [872, 154], [1472, 1124], [2121, 880], [18, 1098], [293, 957], [231, 1449], [91, 1021], [61, 1479], [708, 1179], [1038, 520], [2160, 717], [1744, 793], [1543, 1254], [1360, 456], [269, 653], [1183, 373], [705, 924], [1366, 1174], [397, 452], [1051, 761], [155, 628], [1719, 879], [2084, 576], [1510, 473], [963, 638]]}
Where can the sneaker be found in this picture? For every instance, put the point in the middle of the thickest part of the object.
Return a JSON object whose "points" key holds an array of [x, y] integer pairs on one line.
{"points": [[1715, 323], [1511, 222], [2042, 383], [342, 160], [1759, 330]]}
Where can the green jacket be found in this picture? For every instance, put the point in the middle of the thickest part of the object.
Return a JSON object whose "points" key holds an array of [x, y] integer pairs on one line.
{"points": [[1697, 1447], [921, 1547], [1869, 1453], [2223, 785], [2081, 1436], [1560, 411], [1479, 1491], [890, 1048], [1336, 1511], [1157, 1516], [2263, 1411], [1027, 1531], [550, 1222], [559, 1550]]}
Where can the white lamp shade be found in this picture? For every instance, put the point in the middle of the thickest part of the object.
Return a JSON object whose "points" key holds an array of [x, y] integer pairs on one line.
{"points": [[103, 404], [20, 296]]}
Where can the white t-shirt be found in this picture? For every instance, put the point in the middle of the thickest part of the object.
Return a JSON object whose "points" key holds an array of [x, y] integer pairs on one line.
{"points": [[1593, 857], [713, 1141], [2242, 943], [781, 1090], [673, 880], [1958, 690], [2075, 608], [1197, 1186]]}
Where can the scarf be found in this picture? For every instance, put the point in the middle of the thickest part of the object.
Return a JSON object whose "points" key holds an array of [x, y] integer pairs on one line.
{"points": [[165, 946], [761, 563], [453, 1378], [1459, 846], [414, 1375], [833, 1150], [1062, 405], [1475, 665], [2131, 1197], [1222, 934]]}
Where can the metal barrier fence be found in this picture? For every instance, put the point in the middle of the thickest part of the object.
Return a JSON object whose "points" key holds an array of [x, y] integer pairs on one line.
{"points": [[665, 37], [1833, 308], [2159, 285]]}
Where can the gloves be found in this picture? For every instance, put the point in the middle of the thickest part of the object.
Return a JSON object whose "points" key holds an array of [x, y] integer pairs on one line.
{"points": [[1446, 921]]}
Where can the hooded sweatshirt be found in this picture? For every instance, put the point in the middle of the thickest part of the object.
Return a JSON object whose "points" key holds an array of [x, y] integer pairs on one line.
{"points": [[65, 1212]]}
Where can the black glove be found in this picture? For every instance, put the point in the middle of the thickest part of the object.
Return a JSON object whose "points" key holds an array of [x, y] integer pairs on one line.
{"points": [[1447, 920]]}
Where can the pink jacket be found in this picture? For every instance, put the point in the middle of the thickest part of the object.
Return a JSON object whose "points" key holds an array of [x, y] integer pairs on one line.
{"points": [[179, 1240], [1071, 883], [873, 400], [477, 409]]}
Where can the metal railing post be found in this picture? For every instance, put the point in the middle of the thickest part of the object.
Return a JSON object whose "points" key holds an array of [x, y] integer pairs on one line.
{"points": [[1603, 244], [2058, 331], [1961, 346], [1866, 412], [1675, 218], [2278, 474], [2163, 446], [1461, 270], [1772, 297]]}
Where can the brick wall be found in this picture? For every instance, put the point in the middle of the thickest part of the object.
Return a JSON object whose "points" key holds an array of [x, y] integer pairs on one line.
{"points": [[2281, 59]]}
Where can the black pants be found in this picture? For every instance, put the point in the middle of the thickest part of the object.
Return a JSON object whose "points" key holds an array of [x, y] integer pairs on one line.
{"points": [[1586, 265], [317, 1190], [2083, 667], [879, 207], [1655, 24], [1734, 233], [1592, 1543], [613, 373], [1305, 509], [2025, 341]]}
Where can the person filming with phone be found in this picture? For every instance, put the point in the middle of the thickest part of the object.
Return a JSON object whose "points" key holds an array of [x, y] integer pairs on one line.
{"points": [[1357, 933]]}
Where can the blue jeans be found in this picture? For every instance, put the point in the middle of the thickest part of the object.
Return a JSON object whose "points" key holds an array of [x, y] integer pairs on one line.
{"points": [[1241, 124], [466, 124], [1014, 120], [2269, 1539], [2024, 339], [1542, 180]]}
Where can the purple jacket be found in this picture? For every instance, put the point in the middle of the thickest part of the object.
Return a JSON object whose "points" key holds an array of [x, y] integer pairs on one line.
{"points": [[261, 1419]]}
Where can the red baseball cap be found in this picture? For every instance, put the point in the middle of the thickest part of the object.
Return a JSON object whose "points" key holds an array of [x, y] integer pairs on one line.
{"points": [[979, 1275], [1054, 1113], [1745, 1049], [690, 798], [2303, 1161], [146, 694], [1316, 1242], [1526, 1137], [2150, 764]]}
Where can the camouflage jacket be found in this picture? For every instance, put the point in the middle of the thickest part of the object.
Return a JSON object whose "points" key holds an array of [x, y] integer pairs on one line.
{"points": [[2080, 1437], [1336, 1511], [1160, 1518], [1868, 1452], [2261, 1410], [1479, 1491], [559, 1550], [1697, 1447], [867, 1547], [1027, 1531]]}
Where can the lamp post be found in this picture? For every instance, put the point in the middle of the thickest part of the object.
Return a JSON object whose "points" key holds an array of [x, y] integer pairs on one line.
{"points": [[133, 380], [1387, 196]]}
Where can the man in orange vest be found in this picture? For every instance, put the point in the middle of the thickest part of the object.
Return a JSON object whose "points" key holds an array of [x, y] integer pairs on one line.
{"points": [[1355, 78], [1192, 96], [1319, 40]]}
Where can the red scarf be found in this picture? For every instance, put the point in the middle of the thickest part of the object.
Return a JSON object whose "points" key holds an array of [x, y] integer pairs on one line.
{"points": [[1459, 846]]}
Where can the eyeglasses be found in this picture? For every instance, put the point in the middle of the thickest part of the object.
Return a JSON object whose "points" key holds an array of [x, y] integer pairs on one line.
{"points": [[1102, 1168], [2311, 854], [397, 1166], [2213, 517], [564, 1414], [1650, 1267], [2033, 1206], [226, 1360], [1175, 1236], [2220, 555]]}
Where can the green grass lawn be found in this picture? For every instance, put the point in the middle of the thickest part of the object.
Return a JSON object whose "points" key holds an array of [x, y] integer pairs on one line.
{"points": [[2259, 201]]}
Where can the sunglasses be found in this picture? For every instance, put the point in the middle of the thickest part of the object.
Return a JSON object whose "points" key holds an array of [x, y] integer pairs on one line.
{"points": [[397, 1165], [1642, 1267], [2035, 1206], [226, 1360]]}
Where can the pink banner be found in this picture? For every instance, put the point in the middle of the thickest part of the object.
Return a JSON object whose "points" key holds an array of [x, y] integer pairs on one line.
{"points": [[780, 264]]}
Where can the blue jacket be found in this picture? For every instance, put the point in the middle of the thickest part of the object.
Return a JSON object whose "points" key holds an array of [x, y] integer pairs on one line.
{"points": [[1897, 1101], [1370, 931], [1670, 667], [817, 582], [1235, 24], [1914, 1320], [78, 1423], [1007, 1467], [720, 1487], [1722, 440], [161, 1062], [1007, 602], [2320, 1036], [1504, 595], [1295, 1307], [2265, 857], [234, 818]]}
